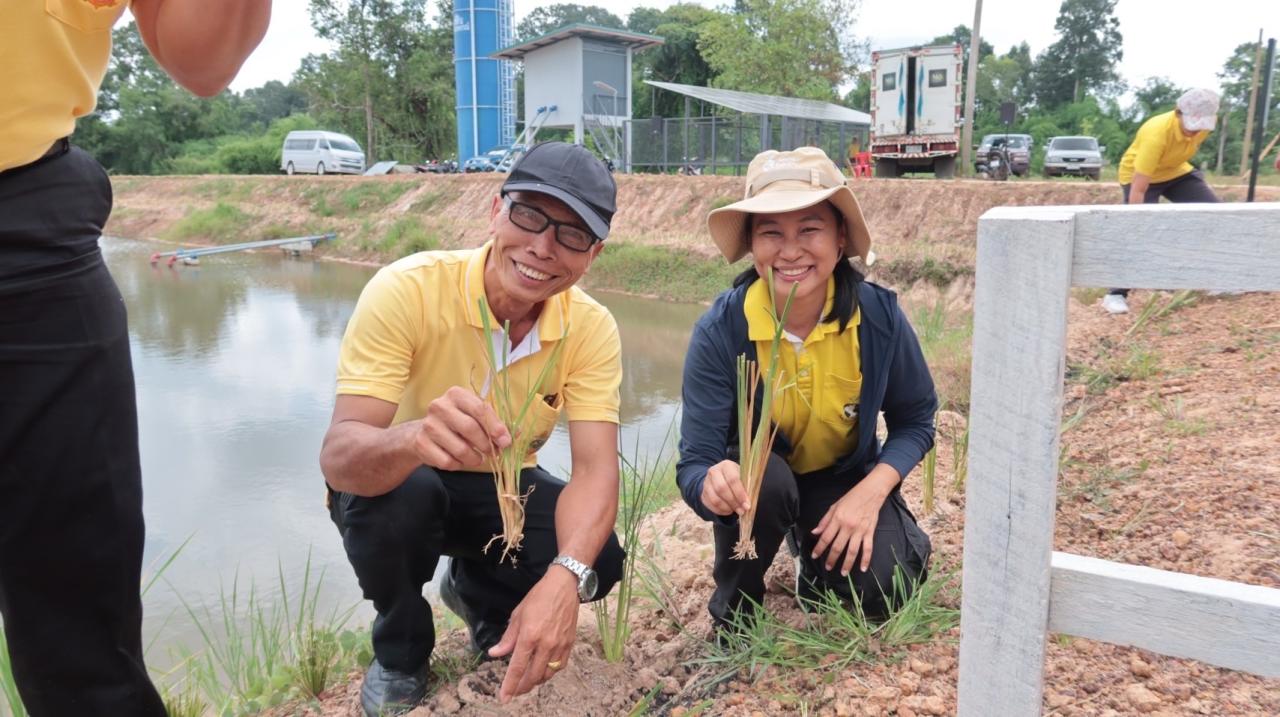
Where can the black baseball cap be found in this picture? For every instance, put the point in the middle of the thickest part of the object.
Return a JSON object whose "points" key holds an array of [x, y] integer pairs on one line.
{"points": [[571, 174]]}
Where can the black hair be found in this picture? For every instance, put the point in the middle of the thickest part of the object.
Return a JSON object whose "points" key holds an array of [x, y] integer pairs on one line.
{"points": [[846, 278]]}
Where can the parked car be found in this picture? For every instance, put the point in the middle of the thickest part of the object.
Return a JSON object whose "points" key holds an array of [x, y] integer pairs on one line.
{"points": [[1073, 155], [479, 164], [320, 152], [1019, 152]]}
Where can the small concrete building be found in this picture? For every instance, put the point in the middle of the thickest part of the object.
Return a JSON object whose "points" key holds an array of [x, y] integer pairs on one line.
{"points": [[579, 77]]}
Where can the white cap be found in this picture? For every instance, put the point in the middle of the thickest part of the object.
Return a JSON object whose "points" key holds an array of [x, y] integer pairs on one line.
{"points": [[1199, 109]]}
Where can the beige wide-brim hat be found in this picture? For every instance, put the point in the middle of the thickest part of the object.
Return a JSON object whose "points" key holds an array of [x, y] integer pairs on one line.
{"points": [[779, 182]]}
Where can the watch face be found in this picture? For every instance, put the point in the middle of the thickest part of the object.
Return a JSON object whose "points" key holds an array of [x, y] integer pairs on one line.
{"points": [[587, 588]]}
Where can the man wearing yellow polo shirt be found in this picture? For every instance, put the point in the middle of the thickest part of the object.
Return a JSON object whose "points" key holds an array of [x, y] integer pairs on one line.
{"points": [[404, 457], [1156, 165], [72, 533]]}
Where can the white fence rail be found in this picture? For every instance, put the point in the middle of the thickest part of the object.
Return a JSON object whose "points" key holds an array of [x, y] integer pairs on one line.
{"points": [[1016, 588]]}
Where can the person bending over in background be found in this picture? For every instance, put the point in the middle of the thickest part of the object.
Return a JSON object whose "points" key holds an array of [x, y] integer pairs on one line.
{"points": [[405, 455], [1156, 165], [848, 355], [72, 534]]}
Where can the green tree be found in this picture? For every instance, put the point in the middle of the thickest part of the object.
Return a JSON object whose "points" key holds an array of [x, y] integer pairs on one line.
{"points": [[1157, 94], [389, 78], [1084, 57], [794, 48], [545, 19], [1236, 76], [678, 59]]}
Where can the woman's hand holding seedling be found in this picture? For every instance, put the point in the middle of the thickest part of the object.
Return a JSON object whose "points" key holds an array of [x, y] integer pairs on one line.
{"points": [[459, 431], [850, 523], [722, 490]]}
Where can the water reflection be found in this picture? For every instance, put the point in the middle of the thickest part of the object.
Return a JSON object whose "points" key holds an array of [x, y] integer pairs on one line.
{"points": [[235, 368]]}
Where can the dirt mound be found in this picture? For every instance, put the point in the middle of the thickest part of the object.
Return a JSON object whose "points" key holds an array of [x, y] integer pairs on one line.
{"points": [[909, 218]]}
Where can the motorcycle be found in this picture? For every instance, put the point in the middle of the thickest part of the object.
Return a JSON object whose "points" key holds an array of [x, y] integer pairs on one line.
{"points": [[998, 164]]}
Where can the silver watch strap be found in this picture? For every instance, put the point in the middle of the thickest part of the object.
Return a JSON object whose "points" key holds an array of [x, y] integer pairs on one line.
{"points": [[575, 566]]}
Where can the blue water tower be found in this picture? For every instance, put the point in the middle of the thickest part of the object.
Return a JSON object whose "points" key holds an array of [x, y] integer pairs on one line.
{"points": [[485, 86]]}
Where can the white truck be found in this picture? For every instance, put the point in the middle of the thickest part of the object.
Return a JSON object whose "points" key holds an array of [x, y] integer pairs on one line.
{"points": [[916, 110]]}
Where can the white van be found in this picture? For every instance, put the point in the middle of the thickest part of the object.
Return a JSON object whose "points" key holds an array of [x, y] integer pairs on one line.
{"points": [[319, 152]]}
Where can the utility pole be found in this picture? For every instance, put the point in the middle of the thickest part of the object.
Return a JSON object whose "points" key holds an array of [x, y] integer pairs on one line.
{"points": [[1261, 129], [1253, 100], [1222, 135], [970, 87]]}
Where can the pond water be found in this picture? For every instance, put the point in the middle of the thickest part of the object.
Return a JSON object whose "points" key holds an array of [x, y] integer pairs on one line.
{"points": [[235, 363]]}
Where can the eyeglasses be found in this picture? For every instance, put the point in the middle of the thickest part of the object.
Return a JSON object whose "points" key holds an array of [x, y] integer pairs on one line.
{"points": [[535, 221]]}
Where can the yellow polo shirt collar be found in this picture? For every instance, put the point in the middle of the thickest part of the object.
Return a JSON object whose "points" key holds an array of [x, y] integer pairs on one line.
{"points": [[818, 408], [555, 312]]}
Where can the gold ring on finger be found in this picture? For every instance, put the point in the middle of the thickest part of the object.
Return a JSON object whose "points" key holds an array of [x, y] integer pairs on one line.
{"points": [[555, 665]]}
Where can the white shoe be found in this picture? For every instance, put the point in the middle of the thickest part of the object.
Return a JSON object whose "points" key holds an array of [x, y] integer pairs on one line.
{"points": [[1115, 304]]}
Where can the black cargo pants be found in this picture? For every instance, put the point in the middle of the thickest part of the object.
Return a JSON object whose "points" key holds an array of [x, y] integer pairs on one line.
{"points": [[788, 502], [71, 533], [395, 540]]}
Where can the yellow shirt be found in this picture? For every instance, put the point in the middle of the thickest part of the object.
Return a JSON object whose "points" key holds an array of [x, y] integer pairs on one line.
{"points": [[417, 331], [1160, 150], [53, 57], [818, 408]]}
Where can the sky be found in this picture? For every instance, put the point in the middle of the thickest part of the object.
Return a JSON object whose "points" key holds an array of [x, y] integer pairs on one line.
{"points": [[1184, 41]]}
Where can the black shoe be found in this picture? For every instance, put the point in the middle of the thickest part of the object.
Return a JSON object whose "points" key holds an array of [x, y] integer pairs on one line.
{"points": [[484, 633], [388, 692]]}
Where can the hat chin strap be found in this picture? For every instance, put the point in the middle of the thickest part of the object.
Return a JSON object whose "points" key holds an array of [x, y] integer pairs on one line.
{"points": [[815, 178]]}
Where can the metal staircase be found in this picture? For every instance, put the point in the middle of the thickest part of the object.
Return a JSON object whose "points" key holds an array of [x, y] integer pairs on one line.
{"points": [[526, 138], [506, 74]]}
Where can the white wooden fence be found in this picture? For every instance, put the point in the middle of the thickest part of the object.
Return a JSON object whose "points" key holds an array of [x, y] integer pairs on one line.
{"points": [[1016, 588]]}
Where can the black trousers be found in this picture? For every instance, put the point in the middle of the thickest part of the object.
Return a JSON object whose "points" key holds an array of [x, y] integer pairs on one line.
{"points": [[1190, 188], [395, 540], [790, 502], [70, 483]]}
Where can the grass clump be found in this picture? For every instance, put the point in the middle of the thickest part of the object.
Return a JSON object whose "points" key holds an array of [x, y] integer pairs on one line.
{"points": [[370, 194], [946, 339], [221, 223], [835, 636], [407, 236], [675, 274], [1114, 365], [256, 655]]}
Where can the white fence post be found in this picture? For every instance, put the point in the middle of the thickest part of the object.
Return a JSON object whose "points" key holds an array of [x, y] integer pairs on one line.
{"points": [[1014, 587]]}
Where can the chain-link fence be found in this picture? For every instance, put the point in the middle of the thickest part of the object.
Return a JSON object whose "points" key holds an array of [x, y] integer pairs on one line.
{"points": [[725, 145]]}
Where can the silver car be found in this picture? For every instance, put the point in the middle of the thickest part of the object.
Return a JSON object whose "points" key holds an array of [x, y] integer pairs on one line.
{"points": [[1073, 155]]}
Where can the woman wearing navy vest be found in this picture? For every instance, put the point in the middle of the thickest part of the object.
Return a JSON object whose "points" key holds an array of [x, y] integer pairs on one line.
{"points": [[848, 354]]}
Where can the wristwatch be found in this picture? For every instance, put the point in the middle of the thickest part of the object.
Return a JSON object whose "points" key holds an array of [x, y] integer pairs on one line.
{"points": [[587, 581]]}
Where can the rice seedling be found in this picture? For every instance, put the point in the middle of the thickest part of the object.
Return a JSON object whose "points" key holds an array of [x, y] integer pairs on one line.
{"points": [[960, 459], [638, 487], [754, 445], [929, 469], [8, 686], [507, 463]]}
